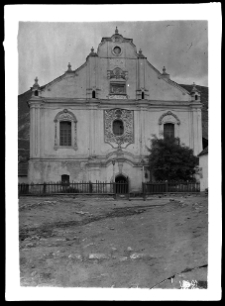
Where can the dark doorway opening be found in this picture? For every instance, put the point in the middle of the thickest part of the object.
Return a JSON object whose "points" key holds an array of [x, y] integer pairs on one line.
{"points": [[121, 184]]}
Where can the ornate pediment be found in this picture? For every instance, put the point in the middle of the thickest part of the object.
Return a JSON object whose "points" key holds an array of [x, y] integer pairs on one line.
{"points": [[169, 113], [64, 116]]}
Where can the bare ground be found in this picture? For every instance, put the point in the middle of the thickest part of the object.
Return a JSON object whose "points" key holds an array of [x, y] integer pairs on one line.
{"points": [[67, 241]]}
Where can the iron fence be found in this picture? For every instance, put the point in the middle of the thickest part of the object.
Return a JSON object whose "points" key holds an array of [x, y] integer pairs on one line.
{"points": [[172, 186], [73, 188], [105, 188]]}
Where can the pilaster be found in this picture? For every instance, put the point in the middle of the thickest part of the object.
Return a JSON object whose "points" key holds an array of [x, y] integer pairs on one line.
{"points": [[35, 127]]}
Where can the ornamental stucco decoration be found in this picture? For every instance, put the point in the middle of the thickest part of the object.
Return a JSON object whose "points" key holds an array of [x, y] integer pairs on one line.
{"points": [[128, 120], [65, 115], [169, 113], [117, 73], [118, 97]]}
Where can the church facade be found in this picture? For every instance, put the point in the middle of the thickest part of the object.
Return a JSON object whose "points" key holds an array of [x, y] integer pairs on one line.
{"points": [[97, 122]]}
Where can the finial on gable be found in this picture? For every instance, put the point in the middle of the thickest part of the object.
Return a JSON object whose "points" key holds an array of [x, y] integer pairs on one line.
{"points": [[195, 93], [36, 81], [69, 67], [194, 87], [140, 54], [36, 85], [116, 31], [165, 75], [92, 53], [36, 88]]}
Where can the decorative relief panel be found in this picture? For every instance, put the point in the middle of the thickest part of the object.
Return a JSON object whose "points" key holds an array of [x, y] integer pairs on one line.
{"points": [[117, 73], [118, 97], [128, 121]]}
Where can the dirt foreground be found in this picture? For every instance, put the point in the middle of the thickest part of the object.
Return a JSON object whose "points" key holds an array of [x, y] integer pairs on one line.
{"points": [[67, 241]]}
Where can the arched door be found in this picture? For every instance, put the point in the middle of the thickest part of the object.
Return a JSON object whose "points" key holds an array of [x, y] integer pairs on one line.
{"points": [[121, 184]]}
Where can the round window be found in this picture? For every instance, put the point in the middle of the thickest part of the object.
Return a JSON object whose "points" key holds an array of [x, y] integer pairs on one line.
{"points": [[117, 50]]}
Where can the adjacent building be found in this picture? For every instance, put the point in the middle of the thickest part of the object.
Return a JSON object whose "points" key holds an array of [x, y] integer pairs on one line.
{"points": [[203, 169]]}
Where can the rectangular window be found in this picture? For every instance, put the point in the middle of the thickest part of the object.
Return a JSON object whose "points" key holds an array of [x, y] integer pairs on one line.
{"points": [[169, 130], [65, 179], [118, 89], [65, 133]]}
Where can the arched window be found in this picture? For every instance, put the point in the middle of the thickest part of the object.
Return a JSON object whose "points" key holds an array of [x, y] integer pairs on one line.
{"points": [[142, 95], [65, 133], [36, 92], [169, 130], [196, 97], [118, 128], [93, 94], [65, 130]]}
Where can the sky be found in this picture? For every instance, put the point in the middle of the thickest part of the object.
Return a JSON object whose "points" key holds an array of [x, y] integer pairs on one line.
{"points": [[45, 48]]}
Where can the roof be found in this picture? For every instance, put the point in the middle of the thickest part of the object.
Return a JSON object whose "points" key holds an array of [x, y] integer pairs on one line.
{"points": [[204, 152]]}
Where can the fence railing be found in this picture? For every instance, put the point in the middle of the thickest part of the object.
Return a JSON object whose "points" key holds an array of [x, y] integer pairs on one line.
{"points": [[172, 186], [105, 188], [73, 188]]}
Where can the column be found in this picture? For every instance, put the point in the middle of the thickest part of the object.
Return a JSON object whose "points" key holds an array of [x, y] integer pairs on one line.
{"points": [[195, 131], [39, 131], [90, 131], [94, 130], [143, 130], [32, 130], [141, 73], [199, 116], [191, 134], [137, 78], [140, 131]]}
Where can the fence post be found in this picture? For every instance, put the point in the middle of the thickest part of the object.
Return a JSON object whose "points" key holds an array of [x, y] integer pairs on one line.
{"points": [[44, 188], [166, 185], [127, 187], [143, 191], [114, 190], [90, 187]]}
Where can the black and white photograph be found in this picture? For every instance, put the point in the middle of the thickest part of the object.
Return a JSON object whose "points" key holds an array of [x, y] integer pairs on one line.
{"points": [[111, 156]]}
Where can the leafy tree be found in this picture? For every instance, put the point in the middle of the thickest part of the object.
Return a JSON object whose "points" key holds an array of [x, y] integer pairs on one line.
{"points": [[169, 160]]}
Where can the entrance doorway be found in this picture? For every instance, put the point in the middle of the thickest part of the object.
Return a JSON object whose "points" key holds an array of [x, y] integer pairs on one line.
{"points": [[121, 184]]}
